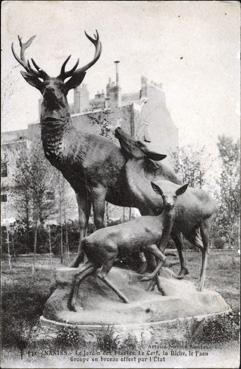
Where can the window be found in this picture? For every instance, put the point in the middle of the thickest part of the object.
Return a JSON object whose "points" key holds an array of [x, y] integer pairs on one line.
{"points": [[4, 197], [4, 169]]}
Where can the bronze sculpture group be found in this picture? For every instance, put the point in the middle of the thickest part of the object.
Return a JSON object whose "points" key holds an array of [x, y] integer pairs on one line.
{"points": [[130, 176]]}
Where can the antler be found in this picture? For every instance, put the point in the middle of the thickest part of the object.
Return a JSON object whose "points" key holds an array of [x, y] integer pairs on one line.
{"points": [[98, 48], [25, 63], [64, 74]]}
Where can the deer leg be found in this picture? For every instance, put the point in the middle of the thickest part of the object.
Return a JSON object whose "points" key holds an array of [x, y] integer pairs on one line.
{"points": [[153, 249], [86, 270], [152, 285], [98, 199], [84, 205], [159, 287], [112, 286], [199, 238], [150, 261], [147, 260], [178, 239], [78, 259], [204, 229], [102, 276]]}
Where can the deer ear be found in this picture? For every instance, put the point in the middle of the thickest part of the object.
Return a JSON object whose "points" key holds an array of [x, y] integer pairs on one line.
{"points": [[155, 155], [150, 154], [32, 80], [75, 80], [156, 188], [182, 189]]}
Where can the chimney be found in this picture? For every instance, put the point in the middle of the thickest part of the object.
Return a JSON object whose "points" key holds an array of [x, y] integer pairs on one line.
{"points": [[116, 73], [116, 88]]}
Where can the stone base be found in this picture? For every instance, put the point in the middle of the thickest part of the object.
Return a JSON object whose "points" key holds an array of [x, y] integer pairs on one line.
{"points": [[147, 312], [179, 329]]}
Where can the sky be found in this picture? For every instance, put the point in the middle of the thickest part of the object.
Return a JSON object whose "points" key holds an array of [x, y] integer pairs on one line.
{"points": [[191, 47]]}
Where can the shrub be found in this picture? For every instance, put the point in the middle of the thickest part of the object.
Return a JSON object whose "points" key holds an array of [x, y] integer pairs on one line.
{"points": [[222, 328], [17, 332], [21, 308], [107, 341], [129, 343], [68, 336], [219, 243]]}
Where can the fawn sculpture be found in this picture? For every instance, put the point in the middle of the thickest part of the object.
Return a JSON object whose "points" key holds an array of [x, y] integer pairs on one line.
{"points": [[141, 234], [92, 164], [193, 211]]}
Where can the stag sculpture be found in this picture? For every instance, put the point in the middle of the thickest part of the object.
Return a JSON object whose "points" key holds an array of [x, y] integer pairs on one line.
{"points": [[193, 210], [92, 164], [103, 246]]}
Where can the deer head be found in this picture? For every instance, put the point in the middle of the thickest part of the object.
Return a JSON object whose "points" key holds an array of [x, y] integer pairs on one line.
{"points": [[135, 149], [170, 193], [54, 89]]}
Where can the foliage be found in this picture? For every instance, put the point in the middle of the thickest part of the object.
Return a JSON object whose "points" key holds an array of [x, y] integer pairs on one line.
{"points": [[102, 119], [39, 192], [23, 301], [33, 180], [107, 341], [17, 237], [68, 336], [194, 167], [217, 329], [64, 207], [219, 243], [22, 306], [17, 333], [188, 163], [227, 217], [130, 343]]}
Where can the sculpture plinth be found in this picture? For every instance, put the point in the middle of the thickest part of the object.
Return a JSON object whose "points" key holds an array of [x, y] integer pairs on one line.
{"points": [[147, 310]]}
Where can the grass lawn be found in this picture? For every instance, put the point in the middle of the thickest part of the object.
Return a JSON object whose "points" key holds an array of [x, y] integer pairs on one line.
{"points": [[223, 273], [25, 294]]}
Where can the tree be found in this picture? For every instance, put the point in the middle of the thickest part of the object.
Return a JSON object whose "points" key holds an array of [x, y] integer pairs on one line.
{"points": [[22, 192], [188, 164], [65, 206], [41, 183], [227, 217], [32, 183], [61, 208]]}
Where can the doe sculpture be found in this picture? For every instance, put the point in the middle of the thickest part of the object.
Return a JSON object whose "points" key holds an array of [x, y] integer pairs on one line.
{"points": [[92, 164], [141, 234], [193, 210]]}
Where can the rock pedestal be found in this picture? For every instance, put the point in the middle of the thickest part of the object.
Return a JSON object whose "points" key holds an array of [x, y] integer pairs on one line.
{"points": [[147, 311]]}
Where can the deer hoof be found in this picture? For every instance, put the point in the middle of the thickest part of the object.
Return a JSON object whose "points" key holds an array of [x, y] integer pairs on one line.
{"points": [[182, 273], [71, 307], [75, 308]]}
